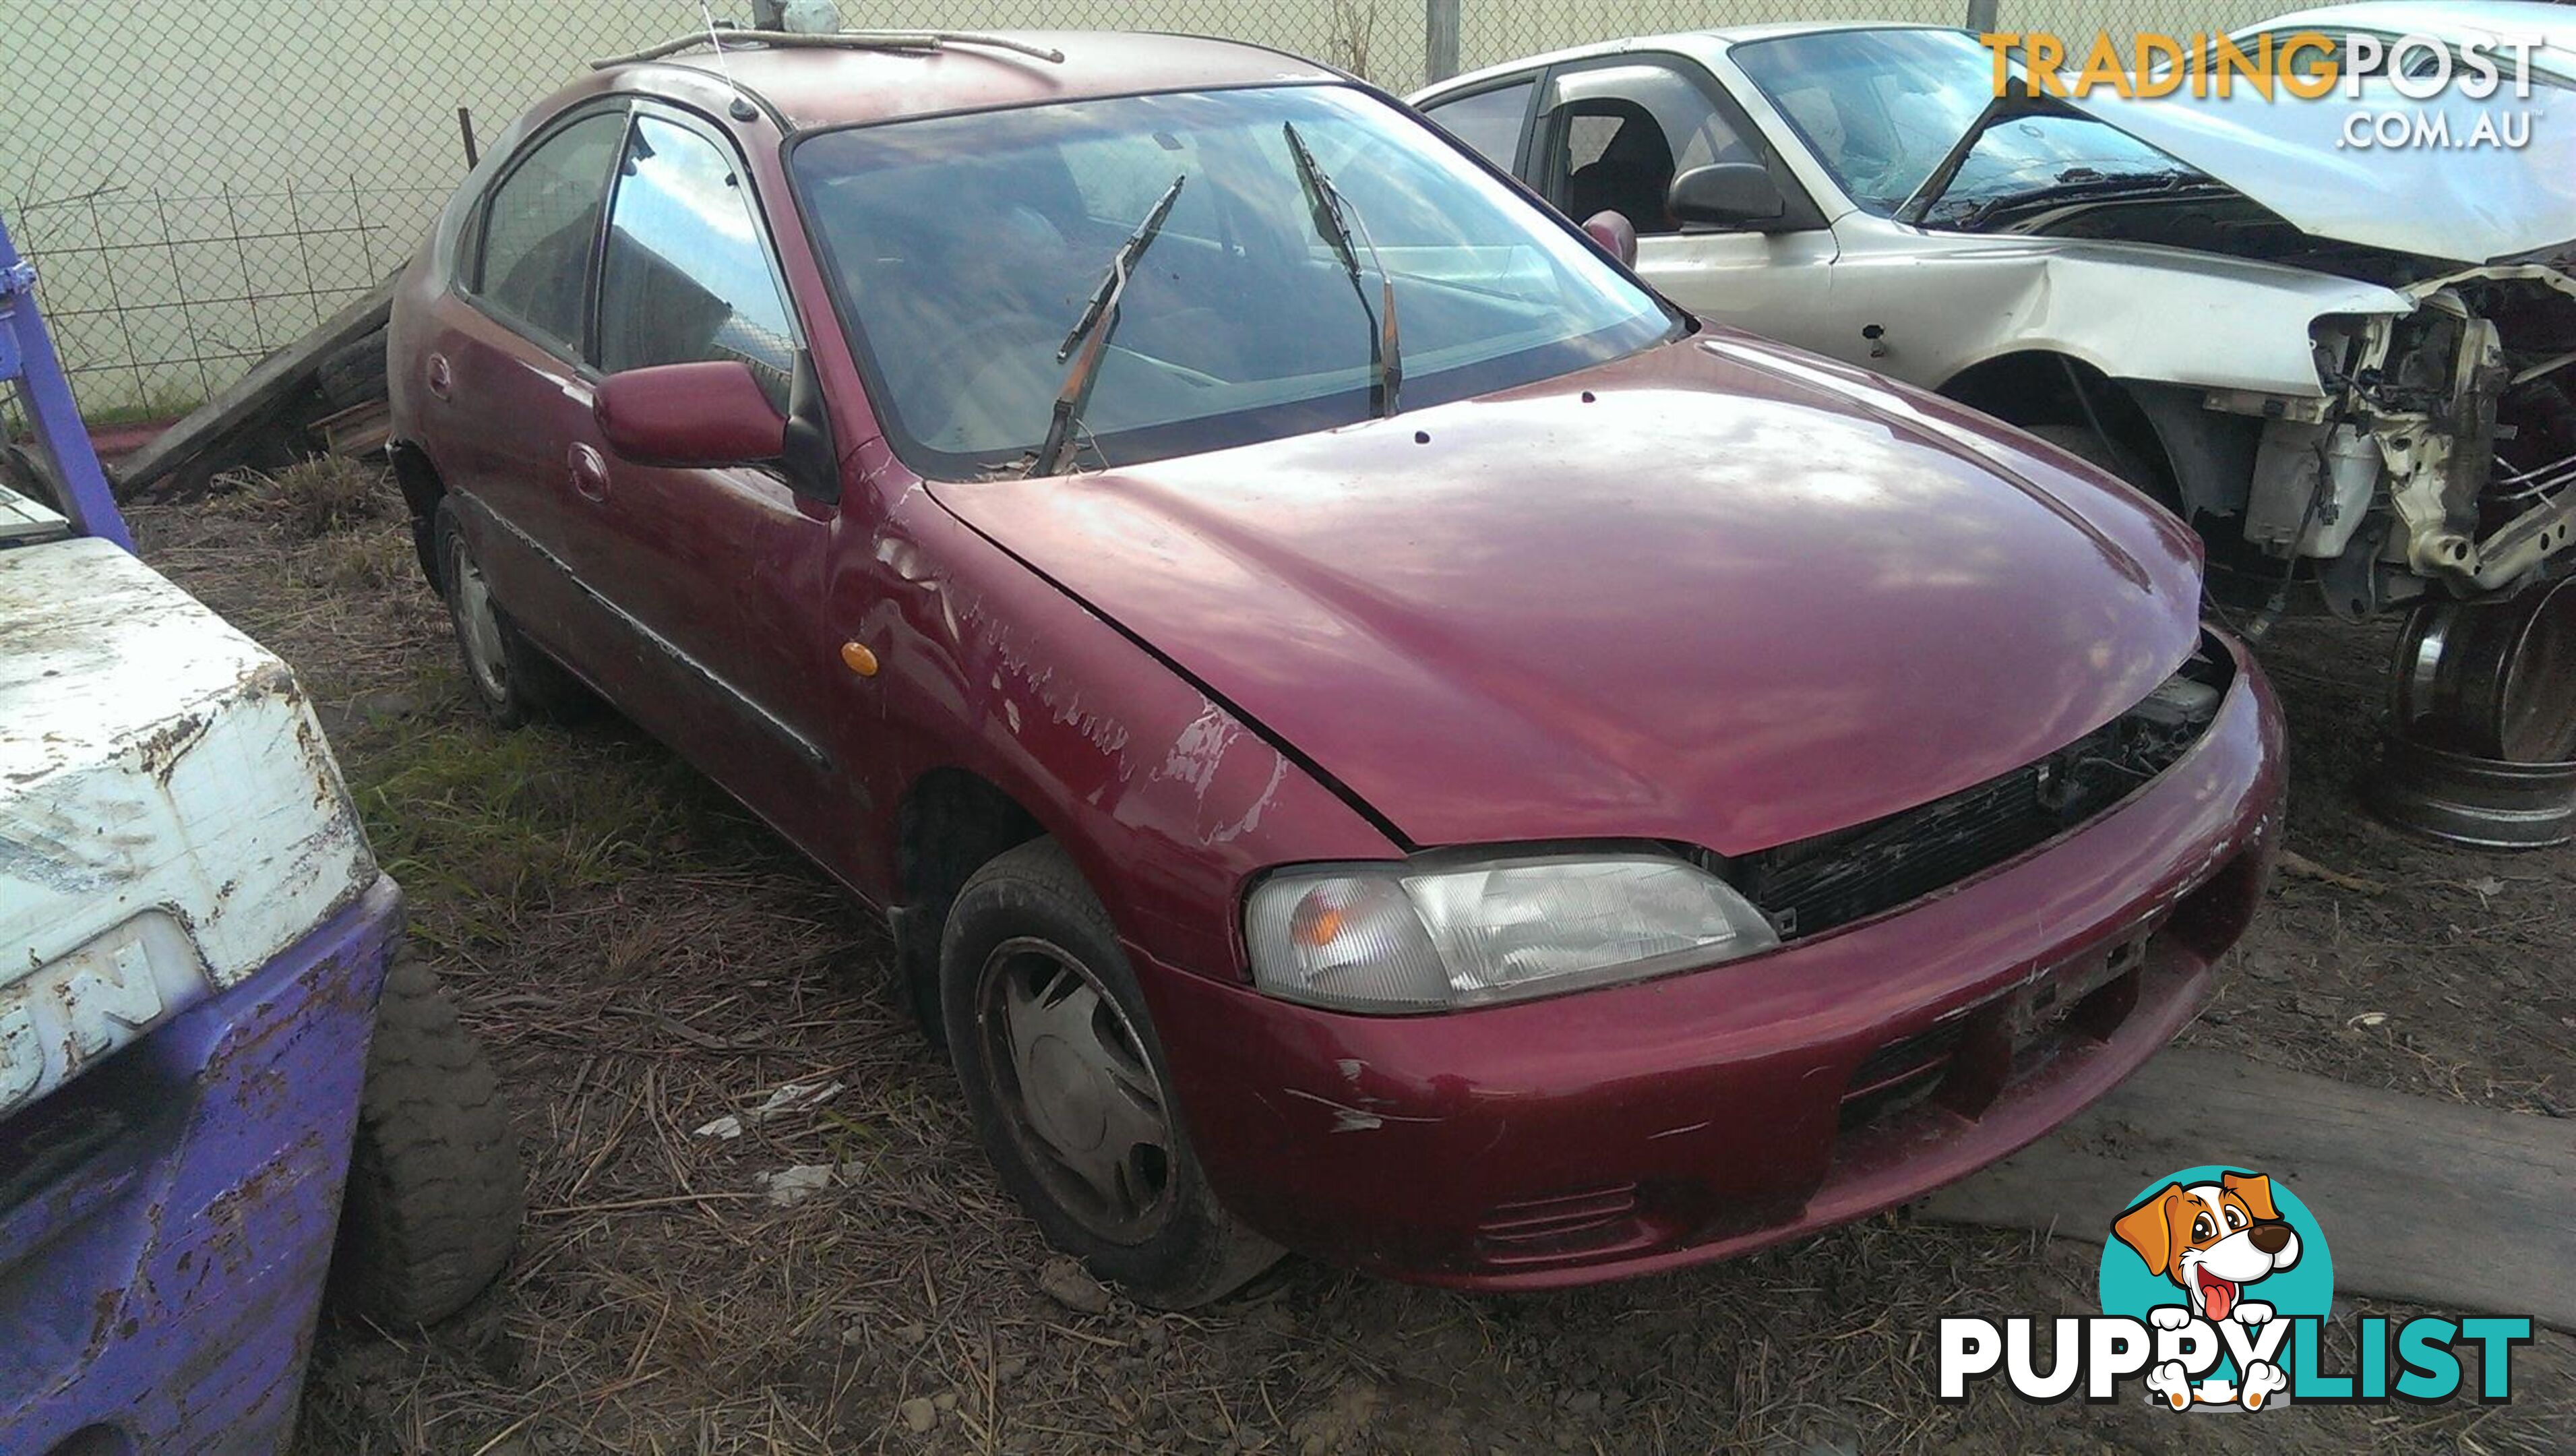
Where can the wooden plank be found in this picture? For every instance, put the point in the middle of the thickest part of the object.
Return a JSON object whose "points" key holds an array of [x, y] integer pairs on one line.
{"points": [[361, 429], [253, 399], [2454, 1207]]}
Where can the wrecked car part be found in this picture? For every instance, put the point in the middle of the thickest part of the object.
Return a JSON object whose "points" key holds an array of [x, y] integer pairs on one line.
{"points": [[2494, 679], [1814, 885], [2312, 484], [2484, 803]]}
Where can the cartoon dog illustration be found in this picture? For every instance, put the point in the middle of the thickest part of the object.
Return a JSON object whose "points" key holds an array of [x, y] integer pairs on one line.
{"points": [[2212, 1240]]}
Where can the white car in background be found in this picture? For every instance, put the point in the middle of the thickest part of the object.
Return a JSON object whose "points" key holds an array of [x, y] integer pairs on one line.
{"points": [[2346, 365], [2547, 30]]}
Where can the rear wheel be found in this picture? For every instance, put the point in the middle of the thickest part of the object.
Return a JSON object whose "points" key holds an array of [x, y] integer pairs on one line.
{"points": [[514, 679], [434, 1197], [1067, 1082]]}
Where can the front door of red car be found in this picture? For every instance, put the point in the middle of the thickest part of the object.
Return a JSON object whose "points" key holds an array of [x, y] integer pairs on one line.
{"points": [[720, 572]]}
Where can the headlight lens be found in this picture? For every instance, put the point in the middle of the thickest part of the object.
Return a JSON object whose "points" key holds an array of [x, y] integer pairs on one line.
{"points": [[1410, 937]]}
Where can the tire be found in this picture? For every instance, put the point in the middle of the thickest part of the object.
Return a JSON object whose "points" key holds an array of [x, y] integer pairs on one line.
{"points": [[435, 1196], [354, 373], [25, 472], [1027, 921], [2112, 458], [512, 677]]}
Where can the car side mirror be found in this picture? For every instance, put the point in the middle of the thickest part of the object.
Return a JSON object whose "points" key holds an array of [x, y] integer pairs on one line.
{"points": [[1728, 194], [1613, 231], [708, 413]]}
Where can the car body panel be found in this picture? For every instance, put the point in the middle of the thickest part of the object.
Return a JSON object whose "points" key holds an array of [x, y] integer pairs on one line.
{"points": [[1716, 1097], [160, 766], [1737, 602], [1944, 304], [2468, 204], [2546, 25]]}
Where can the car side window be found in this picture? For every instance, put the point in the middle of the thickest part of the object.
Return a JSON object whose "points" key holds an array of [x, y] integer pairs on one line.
{"points": [[1489, 121], [684, 277], [539, 224], [1620, 134]]}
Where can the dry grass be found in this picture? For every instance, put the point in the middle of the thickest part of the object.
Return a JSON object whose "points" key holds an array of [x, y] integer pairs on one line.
{"points": [[642, 958]]}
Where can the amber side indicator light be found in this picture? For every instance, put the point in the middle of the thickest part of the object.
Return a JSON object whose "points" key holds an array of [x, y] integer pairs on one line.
{"points": [[857, 658]]}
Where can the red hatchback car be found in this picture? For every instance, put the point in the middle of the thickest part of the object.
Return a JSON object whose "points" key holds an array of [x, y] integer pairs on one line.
{"points": [[1375, 733]]}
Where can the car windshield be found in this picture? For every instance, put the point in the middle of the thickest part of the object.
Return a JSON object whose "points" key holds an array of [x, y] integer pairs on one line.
{"points": [[964, 248], [1881, 108]]}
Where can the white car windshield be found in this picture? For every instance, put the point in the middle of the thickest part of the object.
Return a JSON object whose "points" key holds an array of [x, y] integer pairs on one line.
{"points": [[1879, 109], [963, 249]]}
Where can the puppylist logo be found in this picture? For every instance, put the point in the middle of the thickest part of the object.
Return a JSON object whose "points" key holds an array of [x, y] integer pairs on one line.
{"points": [[2216, 1284], [2305, 66]]}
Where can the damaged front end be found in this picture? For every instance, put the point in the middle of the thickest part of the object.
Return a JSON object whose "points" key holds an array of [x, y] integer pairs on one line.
{"points": [[2439, 457]]}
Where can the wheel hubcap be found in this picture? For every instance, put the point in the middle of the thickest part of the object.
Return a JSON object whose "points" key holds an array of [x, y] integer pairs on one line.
{"points": [[476, 625], [1072, 1077]]}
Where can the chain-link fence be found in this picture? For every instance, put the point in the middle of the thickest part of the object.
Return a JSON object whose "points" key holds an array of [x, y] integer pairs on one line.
{"points": [[201, 181]]}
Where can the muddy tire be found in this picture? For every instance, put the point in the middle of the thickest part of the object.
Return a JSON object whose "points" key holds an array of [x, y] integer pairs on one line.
{"points": [[1070, 1090], [434, 1197], [510, 676]]}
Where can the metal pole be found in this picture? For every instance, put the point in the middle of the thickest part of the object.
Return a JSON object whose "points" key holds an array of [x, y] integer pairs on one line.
{"points": [[1439, 40], [27, 355], [1981, 16]]}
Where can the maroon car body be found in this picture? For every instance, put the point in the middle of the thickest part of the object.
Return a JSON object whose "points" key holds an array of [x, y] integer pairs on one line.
{"points": [[1715, 595]]}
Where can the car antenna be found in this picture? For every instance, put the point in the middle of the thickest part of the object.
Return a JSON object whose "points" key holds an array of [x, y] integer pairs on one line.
{"points": [[742, 109]]}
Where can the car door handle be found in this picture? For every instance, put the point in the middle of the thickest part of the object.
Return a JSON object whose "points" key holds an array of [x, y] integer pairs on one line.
{"points": [[442, 379], [589, 472]]}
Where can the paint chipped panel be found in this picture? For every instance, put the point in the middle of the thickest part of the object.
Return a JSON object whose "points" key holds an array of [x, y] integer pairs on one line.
{"points": [[162, 779], [1168, 801]]}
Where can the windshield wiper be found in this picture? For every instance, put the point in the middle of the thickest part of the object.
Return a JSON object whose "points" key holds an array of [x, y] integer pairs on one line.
{"points": [[1099, 320], [2099, 189], [2018, 99], [1333, 220]]}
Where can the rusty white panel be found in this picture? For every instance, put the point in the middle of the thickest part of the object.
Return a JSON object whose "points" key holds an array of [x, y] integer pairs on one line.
{"points": [[170, 817]]}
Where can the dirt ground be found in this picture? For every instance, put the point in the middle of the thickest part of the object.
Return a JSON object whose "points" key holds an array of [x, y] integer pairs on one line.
{"points": [[642, 958]]}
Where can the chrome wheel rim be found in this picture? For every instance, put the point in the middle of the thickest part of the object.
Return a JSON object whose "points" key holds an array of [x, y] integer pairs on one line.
{"points": [[477, 627], [1072, 1081]]}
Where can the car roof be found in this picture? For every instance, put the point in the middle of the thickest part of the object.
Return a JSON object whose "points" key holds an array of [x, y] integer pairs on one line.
{"points": [[824, 86], [1717, 38], [2555, 24]]}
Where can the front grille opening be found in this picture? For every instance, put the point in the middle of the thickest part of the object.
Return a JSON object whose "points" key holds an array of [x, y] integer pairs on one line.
{"points": [[1966, 1060], [1814, 885]]}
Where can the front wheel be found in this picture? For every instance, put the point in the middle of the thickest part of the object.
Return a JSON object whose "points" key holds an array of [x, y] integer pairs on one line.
{"points": [[434, 1197], [1066, 1080], [2112, 458]]}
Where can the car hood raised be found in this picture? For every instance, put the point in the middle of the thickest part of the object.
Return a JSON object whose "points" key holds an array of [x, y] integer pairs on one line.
{"points": [[1720, 592], [2462, 204]]}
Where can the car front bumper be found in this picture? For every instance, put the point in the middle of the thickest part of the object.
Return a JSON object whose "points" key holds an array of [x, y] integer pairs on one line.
{"points": [[1622, 1131]]}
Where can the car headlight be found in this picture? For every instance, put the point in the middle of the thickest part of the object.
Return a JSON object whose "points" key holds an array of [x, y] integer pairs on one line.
{"points": [[1394, 937]]}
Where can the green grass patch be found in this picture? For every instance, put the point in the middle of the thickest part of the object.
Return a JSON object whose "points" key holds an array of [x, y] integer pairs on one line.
{"points": [[491, 825]]}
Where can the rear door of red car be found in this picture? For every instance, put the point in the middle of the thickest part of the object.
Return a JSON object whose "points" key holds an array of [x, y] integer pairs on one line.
{"points": [[720, 571], [507, 393]]}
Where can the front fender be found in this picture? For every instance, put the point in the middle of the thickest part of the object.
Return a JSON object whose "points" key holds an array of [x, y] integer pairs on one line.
{"points": [[2131, 310]]}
